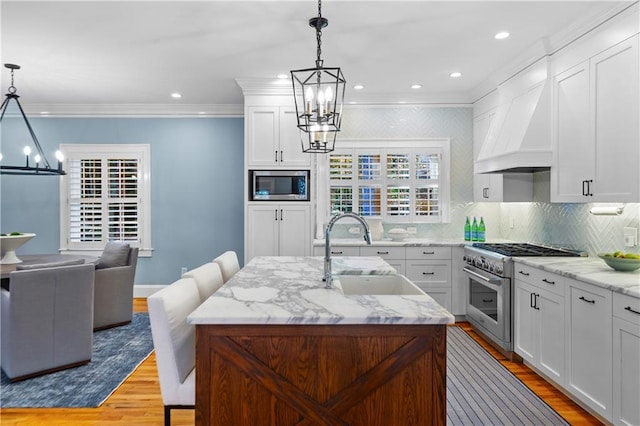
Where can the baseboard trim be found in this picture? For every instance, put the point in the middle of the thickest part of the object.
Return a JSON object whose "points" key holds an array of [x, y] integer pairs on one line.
{"points": [[146, 290]]}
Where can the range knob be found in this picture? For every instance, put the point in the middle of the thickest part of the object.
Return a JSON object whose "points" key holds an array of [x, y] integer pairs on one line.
{"points": [[499, 269], [491, 267]]}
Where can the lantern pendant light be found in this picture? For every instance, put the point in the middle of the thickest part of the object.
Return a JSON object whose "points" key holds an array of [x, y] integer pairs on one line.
{"points": [[319, 96]]}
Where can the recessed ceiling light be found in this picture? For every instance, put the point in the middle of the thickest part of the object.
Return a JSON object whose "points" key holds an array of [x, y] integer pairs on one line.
{"points": [[416, 86], [358, 87], [455, 74], [501, 35], [282, 76], [44, 112], [176, 95]]}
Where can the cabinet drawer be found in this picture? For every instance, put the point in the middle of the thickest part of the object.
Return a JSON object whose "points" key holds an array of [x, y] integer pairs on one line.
{"points": [[383, 252], [428, 252], [432, 273], [541, 279], [626, 307]]}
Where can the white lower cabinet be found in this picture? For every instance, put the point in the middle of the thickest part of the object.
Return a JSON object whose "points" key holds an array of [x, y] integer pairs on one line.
{"points": [[542, 334], [278, 230], [539, 326], [626, 360], [430, 269], [588, 330]]}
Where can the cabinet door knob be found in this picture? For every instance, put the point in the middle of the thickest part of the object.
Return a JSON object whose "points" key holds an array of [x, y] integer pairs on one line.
{"points": [[428, 273], [382, 252], [281, 217], [548, 282], [487, 300], [531, 296], [276, 155], [526, 274], [336, 252], [281, 157], [428, 252], [276, 212]]}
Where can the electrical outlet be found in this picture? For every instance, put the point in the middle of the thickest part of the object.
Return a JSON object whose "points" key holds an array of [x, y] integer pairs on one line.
{"points": [[630, 236], [354, 230], [412, 230], [511, 223], [183, 270]]}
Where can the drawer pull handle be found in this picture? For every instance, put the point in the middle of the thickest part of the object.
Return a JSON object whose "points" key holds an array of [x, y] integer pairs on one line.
{"points": [[630, 309], [428, 252], [382, 252], [428, 273], [336, 252], [487, 300], [526, 274], [587, 300], [548, 282]]}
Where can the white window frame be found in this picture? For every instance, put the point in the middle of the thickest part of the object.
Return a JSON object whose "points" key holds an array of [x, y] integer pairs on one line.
{"points": [[141, 152], [384, 147]]}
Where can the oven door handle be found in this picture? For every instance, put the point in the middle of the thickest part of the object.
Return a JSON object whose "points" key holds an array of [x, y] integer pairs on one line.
{"points": [[496, 281]]}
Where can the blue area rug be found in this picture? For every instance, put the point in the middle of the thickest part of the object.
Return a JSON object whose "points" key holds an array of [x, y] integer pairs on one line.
{"points": [[116, 353]]}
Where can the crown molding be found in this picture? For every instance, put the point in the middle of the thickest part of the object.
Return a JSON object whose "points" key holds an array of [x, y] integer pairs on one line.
{"points": [[548, 47], [133, 110]]}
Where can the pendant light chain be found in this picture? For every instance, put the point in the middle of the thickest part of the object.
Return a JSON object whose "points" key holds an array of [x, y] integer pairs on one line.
{"points": [[12, 89], [319, 61]]}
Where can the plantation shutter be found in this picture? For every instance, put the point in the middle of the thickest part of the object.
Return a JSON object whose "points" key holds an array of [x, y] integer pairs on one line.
{"points": [[104, 201]]}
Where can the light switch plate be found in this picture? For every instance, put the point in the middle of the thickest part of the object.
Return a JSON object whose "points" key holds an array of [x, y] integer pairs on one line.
{"points": [[630, 236]]}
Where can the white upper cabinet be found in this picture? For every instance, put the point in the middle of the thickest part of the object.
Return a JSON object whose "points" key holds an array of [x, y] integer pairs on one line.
{"points": [[596, 128], [273, 139]]}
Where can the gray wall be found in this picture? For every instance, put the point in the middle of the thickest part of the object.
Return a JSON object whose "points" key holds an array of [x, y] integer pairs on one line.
{"points": [[196, 186]]}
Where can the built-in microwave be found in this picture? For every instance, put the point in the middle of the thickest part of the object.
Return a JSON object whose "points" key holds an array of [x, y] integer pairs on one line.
{"points": [[278, 185]]}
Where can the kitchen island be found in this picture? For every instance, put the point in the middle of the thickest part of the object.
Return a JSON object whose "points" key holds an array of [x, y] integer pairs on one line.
{"points": [[273, 346]]}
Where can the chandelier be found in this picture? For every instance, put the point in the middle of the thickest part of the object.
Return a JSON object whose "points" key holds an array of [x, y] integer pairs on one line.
{"points": [[39, 166], [319, 95]]}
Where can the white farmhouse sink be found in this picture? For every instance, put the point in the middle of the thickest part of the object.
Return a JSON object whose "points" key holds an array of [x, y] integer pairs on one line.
{"points": [[363, 285]]}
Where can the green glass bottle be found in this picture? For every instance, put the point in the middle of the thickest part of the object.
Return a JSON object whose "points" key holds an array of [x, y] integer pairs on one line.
{"points": [[467, 230], [481, 230], [474, 230]]}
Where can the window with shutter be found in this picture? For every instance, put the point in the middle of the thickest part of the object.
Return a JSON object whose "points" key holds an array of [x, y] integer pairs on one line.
{"points": [[105, 197], [403, 184]]}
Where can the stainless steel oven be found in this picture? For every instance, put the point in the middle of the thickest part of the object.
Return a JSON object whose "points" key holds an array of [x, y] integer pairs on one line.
{"points": [[489, 298]]}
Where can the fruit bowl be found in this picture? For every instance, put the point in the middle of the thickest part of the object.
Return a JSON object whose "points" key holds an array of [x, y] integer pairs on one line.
{"points": [[621, 263]]}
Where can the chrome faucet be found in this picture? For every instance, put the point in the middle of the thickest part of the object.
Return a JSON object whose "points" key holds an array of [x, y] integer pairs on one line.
{"points": [[327, 242]]}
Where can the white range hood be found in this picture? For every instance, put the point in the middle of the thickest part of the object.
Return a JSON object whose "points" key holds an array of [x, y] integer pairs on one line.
{"points": [[519, 138]]}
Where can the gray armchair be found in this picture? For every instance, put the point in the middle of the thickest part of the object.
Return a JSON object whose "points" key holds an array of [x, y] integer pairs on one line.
{"points": [[113, 296], [47, 318]]}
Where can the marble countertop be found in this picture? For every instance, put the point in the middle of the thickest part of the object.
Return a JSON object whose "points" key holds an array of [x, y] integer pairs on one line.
{"points": [[591, 270], [387, 242], [290, 290]]}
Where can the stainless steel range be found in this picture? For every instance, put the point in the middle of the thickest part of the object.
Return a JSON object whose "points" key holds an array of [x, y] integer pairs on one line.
{"points": [[489, 278]]}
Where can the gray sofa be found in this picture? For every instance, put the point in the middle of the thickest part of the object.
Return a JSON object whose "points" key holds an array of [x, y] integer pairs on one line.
{"points": [[46, 320]]}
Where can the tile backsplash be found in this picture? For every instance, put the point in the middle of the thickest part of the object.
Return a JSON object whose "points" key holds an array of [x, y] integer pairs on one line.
{"points": [[558, 224]]}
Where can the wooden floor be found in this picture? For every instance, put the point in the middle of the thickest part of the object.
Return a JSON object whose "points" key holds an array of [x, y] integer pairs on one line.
{"points": [[138, 400]]}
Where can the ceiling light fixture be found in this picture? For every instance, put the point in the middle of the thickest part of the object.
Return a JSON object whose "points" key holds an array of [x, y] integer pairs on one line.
{"points": [[319, 95], [455, 74], [416, 86], [501, 35], [42, 167], [176, 95], [358, 87], [282, 76]]}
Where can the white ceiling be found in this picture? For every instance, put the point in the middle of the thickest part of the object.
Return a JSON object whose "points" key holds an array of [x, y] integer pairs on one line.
{"points": [[114, 55]]}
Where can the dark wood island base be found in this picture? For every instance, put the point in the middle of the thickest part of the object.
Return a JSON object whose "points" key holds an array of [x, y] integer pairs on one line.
{"points": [[321, 375]]}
